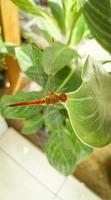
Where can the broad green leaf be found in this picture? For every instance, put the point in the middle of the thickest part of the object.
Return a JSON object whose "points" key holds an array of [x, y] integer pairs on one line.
{"points": [[58, 14], [28, 6], [37, 75], [89, 107], [31, 126], [98, 17], [53, 118], [29, 58], [23, 112], [64, 150], [57, 56]]}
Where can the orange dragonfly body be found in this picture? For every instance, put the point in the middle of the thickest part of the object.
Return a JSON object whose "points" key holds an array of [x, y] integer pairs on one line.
{"points": [[52, 98]]}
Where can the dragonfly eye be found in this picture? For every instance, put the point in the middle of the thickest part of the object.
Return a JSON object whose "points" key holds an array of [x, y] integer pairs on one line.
{"points": [[63, 97]]}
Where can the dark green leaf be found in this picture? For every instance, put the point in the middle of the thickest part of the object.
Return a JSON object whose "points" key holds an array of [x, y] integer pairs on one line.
{"points": [[67, 79], [98, 18]]}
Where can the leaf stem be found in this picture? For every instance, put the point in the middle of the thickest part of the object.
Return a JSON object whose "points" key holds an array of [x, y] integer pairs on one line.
{"points": [[73, 26]]}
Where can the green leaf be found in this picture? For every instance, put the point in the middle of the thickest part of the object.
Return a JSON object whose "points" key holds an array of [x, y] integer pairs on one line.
{"points": [[53, 119], [23, 112], [29, 58], [98, 15], [31, 126], [58, 14], [24, 55], [89, 107], [78, 30], [72, 9], [68, 5], [28, 55], [55, 57], [64, 150], [28, 6], [68, 79]]}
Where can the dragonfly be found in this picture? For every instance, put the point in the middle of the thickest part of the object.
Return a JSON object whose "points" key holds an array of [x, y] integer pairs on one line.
{"points": [[51, 99]]}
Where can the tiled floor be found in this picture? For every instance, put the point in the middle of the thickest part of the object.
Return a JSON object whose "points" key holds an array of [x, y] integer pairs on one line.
{"points": [[26, 174]]}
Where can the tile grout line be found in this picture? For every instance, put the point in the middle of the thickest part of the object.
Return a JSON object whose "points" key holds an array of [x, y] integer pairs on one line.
{"points": [[59, 189], [28, 172]]}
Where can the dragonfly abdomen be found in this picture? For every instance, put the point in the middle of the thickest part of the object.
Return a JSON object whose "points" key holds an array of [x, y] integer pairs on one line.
{"points": [[27, 103]]}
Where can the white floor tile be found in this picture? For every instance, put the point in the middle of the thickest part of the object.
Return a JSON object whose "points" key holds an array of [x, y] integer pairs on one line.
{"points": [[3, 126], [57, 198], [32, 159], [74, 190], [17, 184]]}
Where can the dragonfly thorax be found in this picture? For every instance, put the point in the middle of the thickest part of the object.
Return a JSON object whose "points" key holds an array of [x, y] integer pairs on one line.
{"points": [[54, 98]]}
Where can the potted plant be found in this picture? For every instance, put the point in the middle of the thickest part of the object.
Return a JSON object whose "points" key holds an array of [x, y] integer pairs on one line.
{"points": [[81, 120]]}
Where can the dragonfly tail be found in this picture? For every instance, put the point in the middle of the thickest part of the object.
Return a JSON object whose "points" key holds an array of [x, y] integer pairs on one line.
{"points": [[28, 103]]}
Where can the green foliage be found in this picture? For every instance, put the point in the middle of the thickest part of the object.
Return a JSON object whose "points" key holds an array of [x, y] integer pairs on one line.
{"points": [[33, 125], [89, 106], [98, 16], [33, 61], [57, 56], [69, 23], [24, 112], [89, 98], [58, 23], [28, 6], [58, 14], [29, 58], [64, 150], [79, 30]]}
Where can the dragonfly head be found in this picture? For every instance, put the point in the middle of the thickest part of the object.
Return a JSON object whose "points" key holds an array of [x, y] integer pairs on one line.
{"points": [[63, 97]]}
